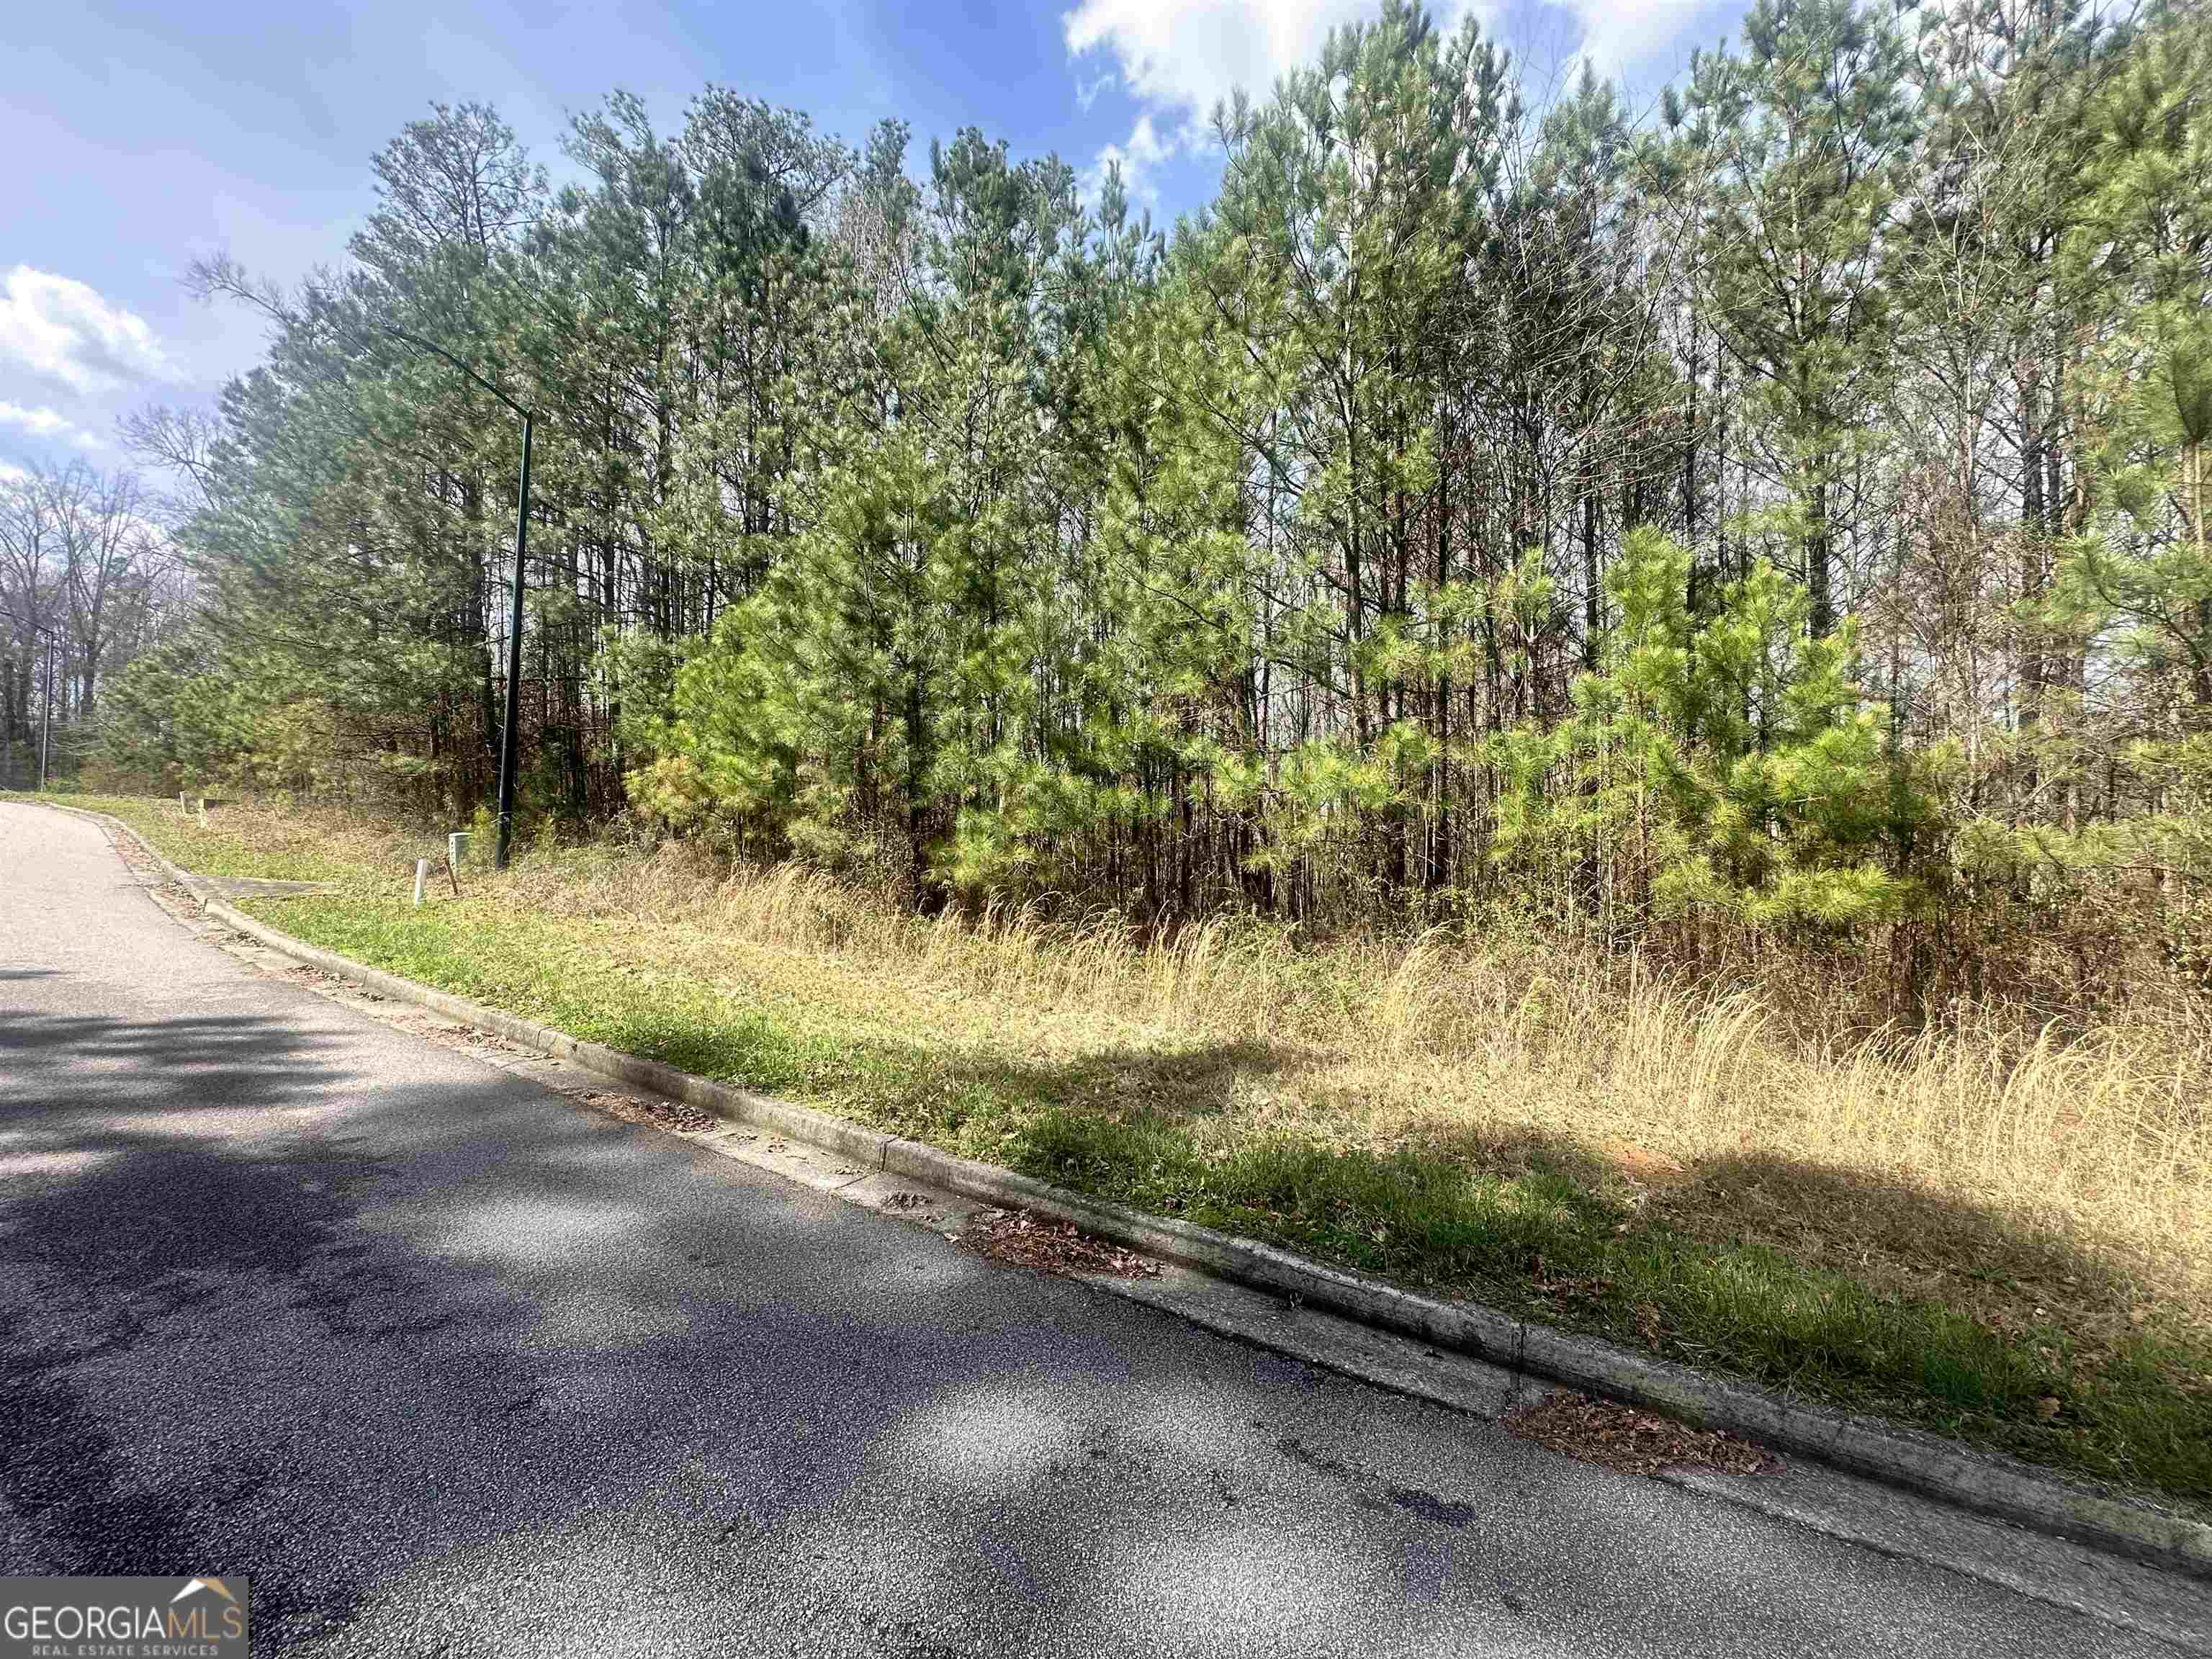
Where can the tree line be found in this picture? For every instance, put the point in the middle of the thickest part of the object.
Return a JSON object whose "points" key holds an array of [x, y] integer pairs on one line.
{"points": [[1781, 508], [87, 580]]}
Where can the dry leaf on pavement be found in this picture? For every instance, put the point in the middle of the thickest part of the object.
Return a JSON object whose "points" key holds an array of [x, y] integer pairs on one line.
{"points": [[1052, 1247], [1634, 1441]]}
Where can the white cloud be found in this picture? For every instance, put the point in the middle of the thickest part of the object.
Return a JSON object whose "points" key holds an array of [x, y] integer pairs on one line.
{"points": [[1146, 151], [1181, 59], [1616, 36], [63, 332], [1178, 58], [43, 422], [10, 473]]}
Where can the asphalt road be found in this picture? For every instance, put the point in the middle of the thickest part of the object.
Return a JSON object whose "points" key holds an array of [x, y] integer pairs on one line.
{"points": [[444, 1363]]}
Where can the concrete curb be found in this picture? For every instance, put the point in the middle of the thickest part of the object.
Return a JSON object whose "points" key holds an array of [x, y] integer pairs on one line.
{"points": [[1985, 1483]]}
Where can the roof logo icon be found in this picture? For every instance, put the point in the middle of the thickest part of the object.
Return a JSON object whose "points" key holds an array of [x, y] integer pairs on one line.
{"points": [[215, 1584]]}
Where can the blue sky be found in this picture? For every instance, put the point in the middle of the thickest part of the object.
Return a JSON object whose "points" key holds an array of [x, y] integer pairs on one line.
{"points": [[140, 136]]}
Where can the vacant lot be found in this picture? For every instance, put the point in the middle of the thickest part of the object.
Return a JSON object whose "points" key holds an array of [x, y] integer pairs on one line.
{"points": [[2002, 1237]]}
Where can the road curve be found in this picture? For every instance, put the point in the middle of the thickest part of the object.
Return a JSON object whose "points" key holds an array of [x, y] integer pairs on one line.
{"points": [[443, 1362]]}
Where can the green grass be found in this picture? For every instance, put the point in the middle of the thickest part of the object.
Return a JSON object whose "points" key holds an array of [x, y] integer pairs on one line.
{"points": [[1542, 1234], [212, 851]]}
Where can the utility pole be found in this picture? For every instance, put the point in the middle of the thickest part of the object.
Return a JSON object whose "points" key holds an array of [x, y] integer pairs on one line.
{"points": [[510, 739]]}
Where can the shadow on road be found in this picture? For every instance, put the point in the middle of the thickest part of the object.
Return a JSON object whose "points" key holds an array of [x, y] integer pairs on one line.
{"points": [[436, 1353]]}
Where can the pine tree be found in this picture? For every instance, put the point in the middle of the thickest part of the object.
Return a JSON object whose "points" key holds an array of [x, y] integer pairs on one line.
{"points": [[1802, 140]]}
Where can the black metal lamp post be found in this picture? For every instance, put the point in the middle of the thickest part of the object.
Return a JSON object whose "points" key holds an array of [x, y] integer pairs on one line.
{"points": [[47, 713], [509, 741], [510, 736]]}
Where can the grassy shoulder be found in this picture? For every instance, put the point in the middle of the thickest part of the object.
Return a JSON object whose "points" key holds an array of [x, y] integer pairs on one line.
{"points": [[274, 852], [1475, 1162]]}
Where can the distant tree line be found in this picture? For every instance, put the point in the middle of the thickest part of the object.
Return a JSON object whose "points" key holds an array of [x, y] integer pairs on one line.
{"points": [[86, 581], [1782, 510]]}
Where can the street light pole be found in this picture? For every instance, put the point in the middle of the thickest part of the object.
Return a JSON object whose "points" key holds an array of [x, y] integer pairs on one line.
{"points": [[510, 739], [47, 698], [507, 747], [46, 715]]}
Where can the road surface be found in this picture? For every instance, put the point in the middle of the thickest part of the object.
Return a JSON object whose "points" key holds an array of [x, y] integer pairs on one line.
{"points": [[446, 1362]]}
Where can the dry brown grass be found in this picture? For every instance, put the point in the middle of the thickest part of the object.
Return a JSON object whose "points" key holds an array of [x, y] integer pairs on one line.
{"points": [[2001, 1169], [2007, 1169]]}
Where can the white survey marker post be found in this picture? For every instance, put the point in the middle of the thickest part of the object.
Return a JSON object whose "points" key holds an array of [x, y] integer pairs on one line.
{"points": [[422, 875]]}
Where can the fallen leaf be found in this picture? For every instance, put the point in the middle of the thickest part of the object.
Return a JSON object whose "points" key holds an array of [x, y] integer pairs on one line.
{"points": [[1029, 1240], [1634, 1441]]}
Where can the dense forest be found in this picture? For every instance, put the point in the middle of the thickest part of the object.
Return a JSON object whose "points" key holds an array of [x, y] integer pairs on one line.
{"points": [[1778, 513]]}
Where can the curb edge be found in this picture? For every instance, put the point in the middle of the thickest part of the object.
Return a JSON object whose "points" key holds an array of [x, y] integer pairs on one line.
{"points": [[1988, 1483]]}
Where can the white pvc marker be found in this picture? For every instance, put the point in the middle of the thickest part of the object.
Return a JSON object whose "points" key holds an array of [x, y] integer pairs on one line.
{"points": [[422, 876], [204, 822]]}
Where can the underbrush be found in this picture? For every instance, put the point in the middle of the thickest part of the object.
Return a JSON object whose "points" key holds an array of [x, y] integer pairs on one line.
{"points": [[2107, 1133]]}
